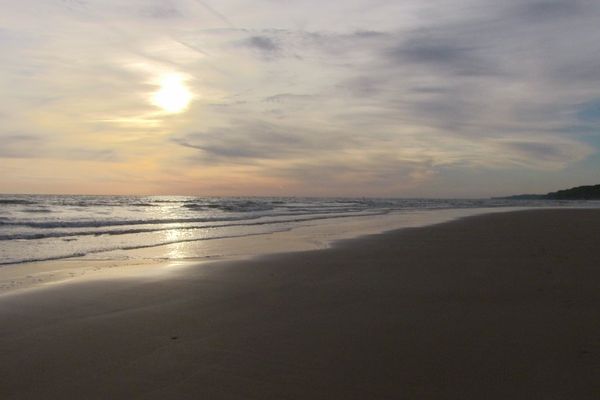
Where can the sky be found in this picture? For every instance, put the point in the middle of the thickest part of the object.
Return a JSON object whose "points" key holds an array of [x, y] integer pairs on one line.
{"points": [[378, 98]]}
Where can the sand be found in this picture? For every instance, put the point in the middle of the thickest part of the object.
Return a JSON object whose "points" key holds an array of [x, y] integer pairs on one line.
{"points": [[502, 306]]}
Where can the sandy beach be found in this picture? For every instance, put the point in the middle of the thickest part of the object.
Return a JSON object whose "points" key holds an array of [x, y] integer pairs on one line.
{"points": [[500, 306]]}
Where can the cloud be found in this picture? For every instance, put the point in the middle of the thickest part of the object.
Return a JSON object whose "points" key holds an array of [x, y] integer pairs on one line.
{"points": [[428, 51], [263, 43], [217, 14], [545, 154], [249, 143], [37, 146], [266, 46], [590, 111], [287, 97], [548, 10], [168, 11], [19, 146], [441, 53]]}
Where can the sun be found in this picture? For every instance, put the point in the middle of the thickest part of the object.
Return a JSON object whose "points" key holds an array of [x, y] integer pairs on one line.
{"points": [[172, 96]]}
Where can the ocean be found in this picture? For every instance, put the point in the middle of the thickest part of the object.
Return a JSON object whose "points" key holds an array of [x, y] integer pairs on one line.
{"points": [[37, 228]]}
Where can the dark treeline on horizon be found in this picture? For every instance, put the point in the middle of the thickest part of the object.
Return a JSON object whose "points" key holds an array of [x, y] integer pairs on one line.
{"points": [[590, 192]]}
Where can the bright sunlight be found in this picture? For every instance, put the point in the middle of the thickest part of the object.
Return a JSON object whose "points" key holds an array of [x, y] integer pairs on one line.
{"points": [[173, 96]]}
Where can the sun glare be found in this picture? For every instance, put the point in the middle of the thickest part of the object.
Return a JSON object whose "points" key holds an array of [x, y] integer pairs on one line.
{"points": [[173, 96]]}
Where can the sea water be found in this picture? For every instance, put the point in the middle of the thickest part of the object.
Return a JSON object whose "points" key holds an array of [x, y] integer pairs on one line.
{"points": [[52, 227]]}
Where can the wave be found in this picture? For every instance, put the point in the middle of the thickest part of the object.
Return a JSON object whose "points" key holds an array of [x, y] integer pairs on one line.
{"points": [[232, 206], [194, 206], [161, 221], [85, 204], [48, 235], [199, 203], [134, 247], [36, 210], [52, 258], [108, 223], [16, 201]]}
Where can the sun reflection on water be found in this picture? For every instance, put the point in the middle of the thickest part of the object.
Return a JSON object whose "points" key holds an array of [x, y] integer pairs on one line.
{"points": [[176, 250], [183, 231]]}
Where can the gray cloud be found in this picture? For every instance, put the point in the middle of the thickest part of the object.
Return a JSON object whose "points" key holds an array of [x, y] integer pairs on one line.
{"points": [[538, 150], [448, 50], [428, 51], [246, 143], [547, 153], [543, 11], [166, 11], [263, 43], [266, 46]]}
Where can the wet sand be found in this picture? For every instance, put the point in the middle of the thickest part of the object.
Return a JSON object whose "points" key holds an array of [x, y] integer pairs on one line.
{"points": [[502, 306]]}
